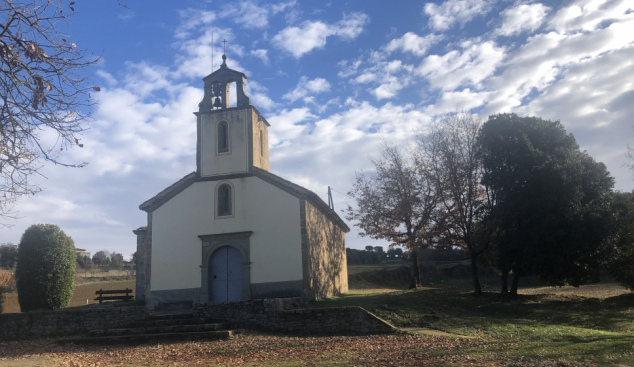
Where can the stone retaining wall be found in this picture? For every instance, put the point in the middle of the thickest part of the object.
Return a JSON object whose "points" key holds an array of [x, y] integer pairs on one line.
{"points": [[279, 314], [43, 323], [287, 315]]}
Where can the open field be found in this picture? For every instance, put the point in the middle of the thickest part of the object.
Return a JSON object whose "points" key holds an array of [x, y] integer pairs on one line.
{"points": [[82, 293], [99, 273], [388, 264], [589, 324]]}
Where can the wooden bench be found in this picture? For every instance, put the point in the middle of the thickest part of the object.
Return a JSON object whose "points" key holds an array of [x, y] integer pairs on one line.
{"points": [[125, 297]]}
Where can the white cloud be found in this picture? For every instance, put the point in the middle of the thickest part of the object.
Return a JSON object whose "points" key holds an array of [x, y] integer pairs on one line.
{"points": [[250, 15], [464, 100], [194, 58], [442, 17], [385, 73], [411, 42], [306, 86], [259, 95], [313, 34], [107, 77], [143, 78], [261, 54], [523, 17], [348, 69], [285, 126], [588, 15], [193, 19], [470, 67], [388, 76]]}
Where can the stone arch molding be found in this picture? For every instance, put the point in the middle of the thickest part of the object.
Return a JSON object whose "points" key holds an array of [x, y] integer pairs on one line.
{"points": [[212, 242]]}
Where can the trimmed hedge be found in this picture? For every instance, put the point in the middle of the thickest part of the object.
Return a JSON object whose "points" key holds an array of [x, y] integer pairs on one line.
{"points": [[46, 268]]}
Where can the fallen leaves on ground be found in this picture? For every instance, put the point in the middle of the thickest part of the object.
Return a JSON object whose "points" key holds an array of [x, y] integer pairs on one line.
{"points": [[270, 350]]}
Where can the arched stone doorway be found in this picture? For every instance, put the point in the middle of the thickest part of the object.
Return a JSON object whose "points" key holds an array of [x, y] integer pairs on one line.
{"points": [[225, 275], [211, 243]]}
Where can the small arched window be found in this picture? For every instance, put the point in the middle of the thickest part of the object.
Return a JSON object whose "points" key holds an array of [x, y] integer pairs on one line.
{"points": [[261, 144], [223, 137], [225, 207]]}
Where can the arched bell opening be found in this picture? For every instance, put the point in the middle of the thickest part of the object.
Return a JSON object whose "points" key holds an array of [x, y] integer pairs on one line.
{"points": [[232, 94]]}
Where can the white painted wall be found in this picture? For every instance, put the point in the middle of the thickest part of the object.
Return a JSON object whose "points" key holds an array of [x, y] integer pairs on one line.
{"points": [[271, 213], [213, 164]]}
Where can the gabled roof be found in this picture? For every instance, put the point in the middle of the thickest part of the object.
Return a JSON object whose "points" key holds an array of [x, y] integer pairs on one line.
{"points": [[164, 196], [301, 193], [291, 188]]}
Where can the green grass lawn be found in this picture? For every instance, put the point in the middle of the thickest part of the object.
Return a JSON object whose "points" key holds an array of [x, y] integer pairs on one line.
{"points": [[545, 323]]}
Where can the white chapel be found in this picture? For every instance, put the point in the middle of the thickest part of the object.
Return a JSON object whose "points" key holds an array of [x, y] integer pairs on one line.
{"points": [[232, 230]]}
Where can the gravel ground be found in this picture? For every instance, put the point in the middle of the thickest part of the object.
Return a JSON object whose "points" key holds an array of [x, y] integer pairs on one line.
{"points": [[264, 350]]}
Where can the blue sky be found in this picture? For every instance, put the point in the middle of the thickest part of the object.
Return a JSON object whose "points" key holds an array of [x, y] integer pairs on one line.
{"points": [[332, 79]]}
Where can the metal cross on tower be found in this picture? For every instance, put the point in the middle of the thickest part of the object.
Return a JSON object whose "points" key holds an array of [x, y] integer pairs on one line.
{"points": [[225, 46]]}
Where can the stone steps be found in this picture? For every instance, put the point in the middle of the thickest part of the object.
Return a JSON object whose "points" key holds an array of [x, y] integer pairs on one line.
{"points": [[172, 316], [160, 327], [167, 322], [151, 338], [159, 330]]}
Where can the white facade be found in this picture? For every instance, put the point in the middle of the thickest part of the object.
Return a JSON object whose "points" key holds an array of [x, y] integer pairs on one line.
{"points": [[271, 213]]}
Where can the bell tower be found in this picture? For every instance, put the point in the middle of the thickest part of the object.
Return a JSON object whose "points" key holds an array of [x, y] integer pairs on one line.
{"points": [[230, 140]]}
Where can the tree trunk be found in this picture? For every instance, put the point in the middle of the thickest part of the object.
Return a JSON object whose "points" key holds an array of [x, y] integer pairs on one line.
{"points": [[516, 279], [474, 272], [415, 280], [505, 283]]}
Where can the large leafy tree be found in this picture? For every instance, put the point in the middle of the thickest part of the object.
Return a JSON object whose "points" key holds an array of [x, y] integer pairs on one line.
{"points": [[620, 246], [101, 258], [397, 202], [449, 149], [8, 255], [552, 200], [44, 94]]}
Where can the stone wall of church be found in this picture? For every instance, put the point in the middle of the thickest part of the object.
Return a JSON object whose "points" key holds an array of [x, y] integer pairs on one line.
{"points": [[139, 292], [260, 146], [323, 254]]}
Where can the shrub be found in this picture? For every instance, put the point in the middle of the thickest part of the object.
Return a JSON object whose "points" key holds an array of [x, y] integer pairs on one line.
{"points": [[6, 283], [361, 257], [8, 255], [45, 270]]}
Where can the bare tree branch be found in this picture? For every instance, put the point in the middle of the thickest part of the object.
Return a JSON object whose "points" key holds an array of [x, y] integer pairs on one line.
{"points": [[44, 95]]}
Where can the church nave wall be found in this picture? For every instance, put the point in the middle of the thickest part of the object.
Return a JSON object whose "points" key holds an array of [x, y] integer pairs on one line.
{"points": [[271, 214]]}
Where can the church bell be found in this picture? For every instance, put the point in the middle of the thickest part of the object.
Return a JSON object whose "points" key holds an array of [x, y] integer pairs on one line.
{"points": [[217, 102]]}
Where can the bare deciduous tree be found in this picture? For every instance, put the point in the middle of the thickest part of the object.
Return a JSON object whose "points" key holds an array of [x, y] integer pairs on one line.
{"points": [[395, 203], [44, 94], [450, 151]]}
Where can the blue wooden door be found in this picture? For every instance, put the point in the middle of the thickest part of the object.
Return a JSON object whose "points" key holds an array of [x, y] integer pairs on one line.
{"points": [[225, 273], [234, 274]]}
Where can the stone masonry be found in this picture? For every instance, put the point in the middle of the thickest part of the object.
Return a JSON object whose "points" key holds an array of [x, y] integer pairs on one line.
{"points": [[43, 323], [286, 314], [275, 314]]}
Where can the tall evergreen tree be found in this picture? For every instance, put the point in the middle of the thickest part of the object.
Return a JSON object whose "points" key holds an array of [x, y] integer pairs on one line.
{"points": [[552, 200]]}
